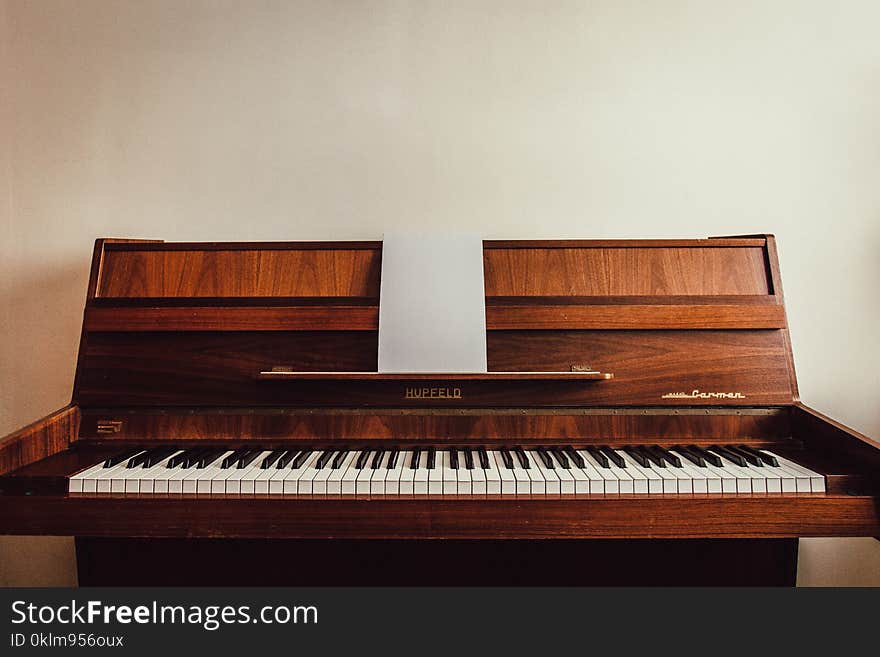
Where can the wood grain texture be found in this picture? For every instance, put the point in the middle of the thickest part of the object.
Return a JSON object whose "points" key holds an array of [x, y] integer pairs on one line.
{"points": [[679, 516], [220, 369], [515, 315], [245, 318], [240, 273], [39, 440], [625, 271], [463, 425]]}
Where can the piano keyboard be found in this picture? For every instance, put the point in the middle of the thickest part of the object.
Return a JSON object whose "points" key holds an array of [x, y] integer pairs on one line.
{"points": [[647, 470]]}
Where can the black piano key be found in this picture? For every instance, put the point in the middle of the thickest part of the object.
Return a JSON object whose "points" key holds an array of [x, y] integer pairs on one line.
{"points": [[177, 459], [416, 457], [193, 457], [599, 456], [272, 458], [616, 458], [468, 459], [522, 458], [247, 458], [574, 456], [730, 456], [123, 456], [287, 457], [453, 459], [484, 458], [324, 459], [233, 459], [506, 458], [638, 456], [750, 458], [377, 459], [545, 458], [561, 458], [138, 459], [393, 455], [691, 456], [653, 453], [209, 457], [670, 458], [768, 459], [432, 458], [712, 459], [653, 459], [339, 458], [159, 456], [300, 459], [362, 459]]}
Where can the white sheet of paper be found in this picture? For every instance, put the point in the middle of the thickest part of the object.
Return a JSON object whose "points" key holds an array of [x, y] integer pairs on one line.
{"points": [[432, 308]]}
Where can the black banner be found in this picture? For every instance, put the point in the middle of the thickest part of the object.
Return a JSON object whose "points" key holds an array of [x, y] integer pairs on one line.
{"points": [[450, 620]]}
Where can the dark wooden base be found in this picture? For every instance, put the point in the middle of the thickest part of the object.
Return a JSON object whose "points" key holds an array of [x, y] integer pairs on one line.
{"points": [[255, 562]]}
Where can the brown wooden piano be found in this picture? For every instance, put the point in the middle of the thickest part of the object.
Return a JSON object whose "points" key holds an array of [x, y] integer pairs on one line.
{"points": [[639, 423]]}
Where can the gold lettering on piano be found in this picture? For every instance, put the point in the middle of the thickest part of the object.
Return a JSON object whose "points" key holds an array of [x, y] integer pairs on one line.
{"points": [[432, 393], [696, 394], [109, 426]]}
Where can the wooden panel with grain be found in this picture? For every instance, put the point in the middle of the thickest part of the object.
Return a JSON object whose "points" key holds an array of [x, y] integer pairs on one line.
{"points": [[631, 516], [614, 271], [39, 440], [437, 425], [241, 272]]}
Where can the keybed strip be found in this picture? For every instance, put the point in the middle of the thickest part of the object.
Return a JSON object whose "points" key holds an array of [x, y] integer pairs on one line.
{"points": [[551, 471]]}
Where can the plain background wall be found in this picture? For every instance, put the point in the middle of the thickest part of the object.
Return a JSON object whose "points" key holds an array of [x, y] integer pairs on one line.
{"points": [[226, 120]]}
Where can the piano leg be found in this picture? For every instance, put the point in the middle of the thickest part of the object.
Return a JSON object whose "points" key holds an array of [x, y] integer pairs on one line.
{"points": [[268, 562]]}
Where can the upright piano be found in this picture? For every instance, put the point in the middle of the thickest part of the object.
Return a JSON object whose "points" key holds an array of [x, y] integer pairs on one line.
{"points": [[639, 423]]}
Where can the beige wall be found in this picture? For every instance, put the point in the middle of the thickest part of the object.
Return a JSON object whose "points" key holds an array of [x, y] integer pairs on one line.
{"points": [[307, 120]]}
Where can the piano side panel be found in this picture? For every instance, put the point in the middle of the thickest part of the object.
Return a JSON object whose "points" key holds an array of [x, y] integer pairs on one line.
{"points": [[39, 440]]}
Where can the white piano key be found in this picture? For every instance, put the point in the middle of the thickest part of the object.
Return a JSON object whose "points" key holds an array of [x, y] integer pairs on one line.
{"points": [[685, 483], [392, 475], [348, 482], [76, 482], [506, 476], [450, 476], [377, 480], [204, 478], [742, 476], [520, 476], [538, 484], [648, 482], [699, 476], [290, 482], [477, 476], [334, 481], [625, 480], [421, 478], [435, 474], [465, 485], [611, 482], [581, 479], [407, 474], [493, 477], [727, 479], [551, 479], [145, 482], [814, 480]]}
